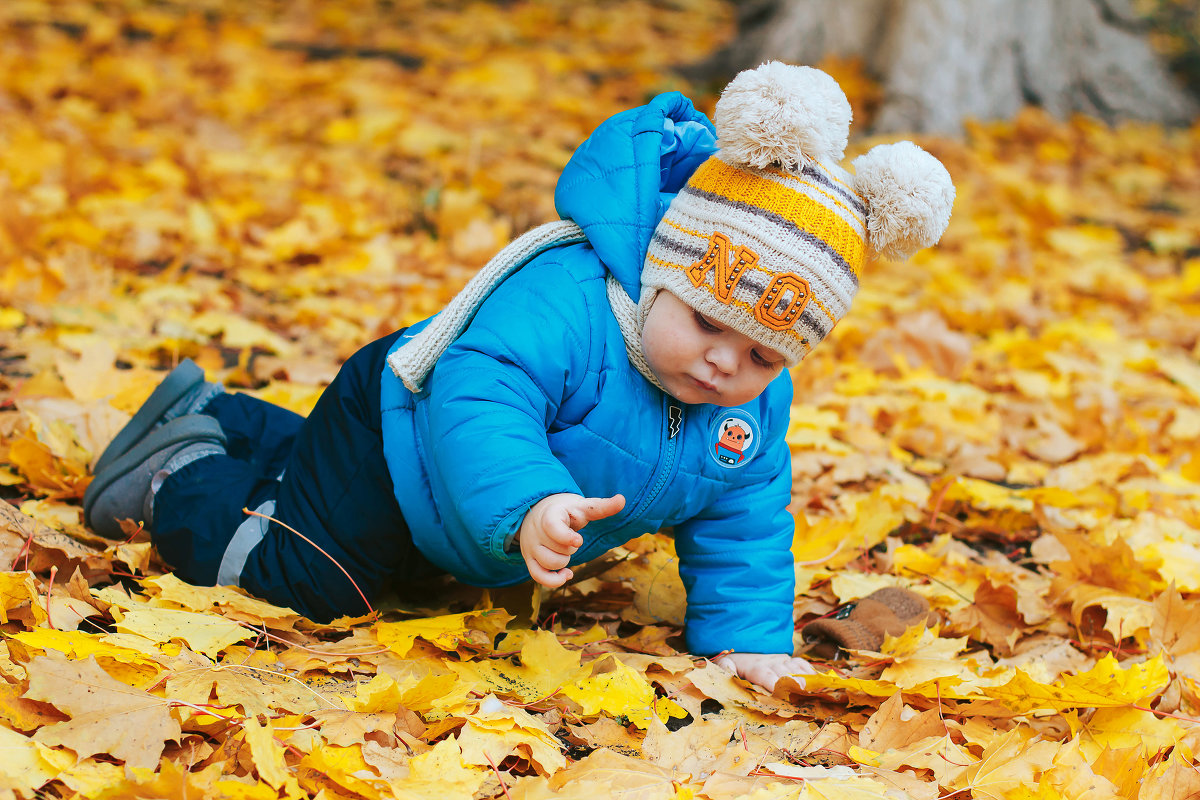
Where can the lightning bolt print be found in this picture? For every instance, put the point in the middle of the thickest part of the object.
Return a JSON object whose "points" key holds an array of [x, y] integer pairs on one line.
{"points": [[674, 417]]}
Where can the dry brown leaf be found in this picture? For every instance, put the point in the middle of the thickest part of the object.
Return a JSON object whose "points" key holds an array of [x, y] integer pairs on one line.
{"points": [[627, 778], [107, 716], [895, 725], [992, 618], [256, 690], [344, 728], [692, 749]]}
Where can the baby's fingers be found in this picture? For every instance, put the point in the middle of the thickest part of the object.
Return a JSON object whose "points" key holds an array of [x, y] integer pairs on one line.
{"points": [[551, 579], [562, 534], [798, 666], [590, 509], [765, 669], [549, 558]]}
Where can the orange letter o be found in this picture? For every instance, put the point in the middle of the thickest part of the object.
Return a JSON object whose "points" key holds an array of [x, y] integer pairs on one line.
{"points": [[766, 309]]}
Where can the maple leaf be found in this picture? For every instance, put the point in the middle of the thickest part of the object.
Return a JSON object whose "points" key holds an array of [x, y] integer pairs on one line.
{"points": [[1113, 565], [1122, 768], [17, 589], [834, 541], [1176, 626], [203, 633], [1007, 764], [721, 685], [692, 749], [1124, 728], [938, 754], [119, 661], [1125, 616], [1044, 657], [56, 477], [175, 780], [1072, 775], [1104, 686], [439, 773], [622, 777], [419, 690], [107, 716], [22, 714], [233, 603], [346, 727], [544, 667], [658, 594], [88, 776], [339, 770], [993, 616], [923, 663], [444, 632], [895, 725], [22, 768], [21, 535], [836, 787], [1173, 779], [620, 691], [497, 731], [255, 689], [267, 755]]}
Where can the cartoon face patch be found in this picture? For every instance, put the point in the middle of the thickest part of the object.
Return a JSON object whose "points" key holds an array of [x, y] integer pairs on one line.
{"points": [[733, 438]]}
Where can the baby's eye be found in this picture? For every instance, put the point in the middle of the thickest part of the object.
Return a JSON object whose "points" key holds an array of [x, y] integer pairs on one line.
{"points": [[705, 323], [763, 361]]}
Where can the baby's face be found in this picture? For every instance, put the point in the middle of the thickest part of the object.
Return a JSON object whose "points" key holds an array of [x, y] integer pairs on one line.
{"points": [[699, 360]]}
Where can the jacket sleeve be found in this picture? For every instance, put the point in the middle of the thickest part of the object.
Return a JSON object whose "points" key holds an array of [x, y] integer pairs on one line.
{"points": [[493, 395], [736, 562]]}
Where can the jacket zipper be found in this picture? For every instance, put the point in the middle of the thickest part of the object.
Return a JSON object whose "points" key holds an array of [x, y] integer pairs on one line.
{"points": [[673, 419]]}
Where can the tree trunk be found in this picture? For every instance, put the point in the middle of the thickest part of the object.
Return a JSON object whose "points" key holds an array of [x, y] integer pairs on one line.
{"points": [[943, 61]]}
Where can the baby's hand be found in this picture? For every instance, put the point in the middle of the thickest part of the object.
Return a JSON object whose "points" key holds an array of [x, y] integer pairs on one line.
{"points": [[548, 534], [765, 669]]}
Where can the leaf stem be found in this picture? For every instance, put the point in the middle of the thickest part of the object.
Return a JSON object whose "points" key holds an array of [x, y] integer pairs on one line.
{"points": [[503, 785], [1158, 713], [321, 550], [49, 590]]}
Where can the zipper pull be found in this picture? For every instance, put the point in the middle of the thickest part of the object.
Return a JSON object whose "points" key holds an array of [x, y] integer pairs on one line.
{"points": [[674, 419]]}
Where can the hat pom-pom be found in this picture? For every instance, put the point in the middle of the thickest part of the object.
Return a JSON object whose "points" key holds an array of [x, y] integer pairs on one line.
{"points": [[782, 114], [909, 194]]}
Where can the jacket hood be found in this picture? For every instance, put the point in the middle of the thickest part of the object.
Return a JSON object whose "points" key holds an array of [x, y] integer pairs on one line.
{"points": [[620, 181]]}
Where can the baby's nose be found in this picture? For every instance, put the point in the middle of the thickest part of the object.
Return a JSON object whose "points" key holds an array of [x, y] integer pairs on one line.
{"points": [[723, 359]]}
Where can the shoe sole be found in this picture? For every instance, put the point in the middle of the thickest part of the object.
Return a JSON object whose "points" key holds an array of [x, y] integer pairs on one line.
{"points": [[190, 429], [178, 383]]}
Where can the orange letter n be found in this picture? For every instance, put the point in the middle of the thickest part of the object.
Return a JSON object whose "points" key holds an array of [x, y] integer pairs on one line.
{"points": [[728, 266]]}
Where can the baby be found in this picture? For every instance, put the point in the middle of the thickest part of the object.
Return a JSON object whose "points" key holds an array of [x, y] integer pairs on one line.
{"points": [[617, 372]]}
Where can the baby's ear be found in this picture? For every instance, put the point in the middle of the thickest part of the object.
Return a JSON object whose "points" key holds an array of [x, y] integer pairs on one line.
{"points": [[909, 195]]}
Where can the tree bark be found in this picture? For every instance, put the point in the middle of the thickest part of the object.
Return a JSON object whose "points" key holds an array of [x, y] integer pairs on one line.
{"points": [[943, 61]]}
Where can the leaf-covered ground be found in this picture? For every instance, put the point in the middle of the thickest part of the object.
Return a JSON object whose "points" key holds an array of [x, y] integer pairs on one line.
{"points": [[1008, 425]]}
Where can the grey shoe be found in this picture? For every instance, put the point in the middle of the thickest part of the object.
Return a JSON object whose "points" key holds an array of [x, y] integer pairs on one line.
{"points": [[183, 391], [122, 490]]}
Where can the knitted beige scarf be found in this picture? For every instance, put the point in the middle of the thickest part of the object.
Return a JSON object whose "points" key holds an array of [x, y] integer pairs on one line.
{"points": [[413, 361]]}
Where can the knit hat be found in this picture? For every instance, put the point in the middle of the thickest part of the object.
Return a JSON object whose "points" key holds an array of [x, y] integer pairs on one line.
{"points": [[863, 624], [770, 234]]}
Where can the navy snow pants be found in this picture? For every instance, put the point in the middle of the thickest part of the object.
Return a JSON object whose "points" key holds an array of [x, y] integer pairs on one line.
{"points": [[323, 475]]}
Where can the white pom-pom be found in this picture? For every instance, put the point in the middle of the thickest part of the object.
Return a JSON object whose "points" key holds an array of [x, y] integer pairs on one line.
{"points": [[782, 114], [909, 195]]}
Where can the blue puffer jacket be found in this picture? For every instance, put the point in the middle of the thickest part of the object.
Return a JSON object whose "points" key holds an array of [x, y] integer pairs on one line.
{"points": [[538, 396]]}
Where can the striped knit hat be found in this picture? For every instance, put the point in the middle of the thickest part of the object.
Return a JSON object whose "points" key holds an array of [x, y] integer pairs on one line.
{"points": [[770, 234]]}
